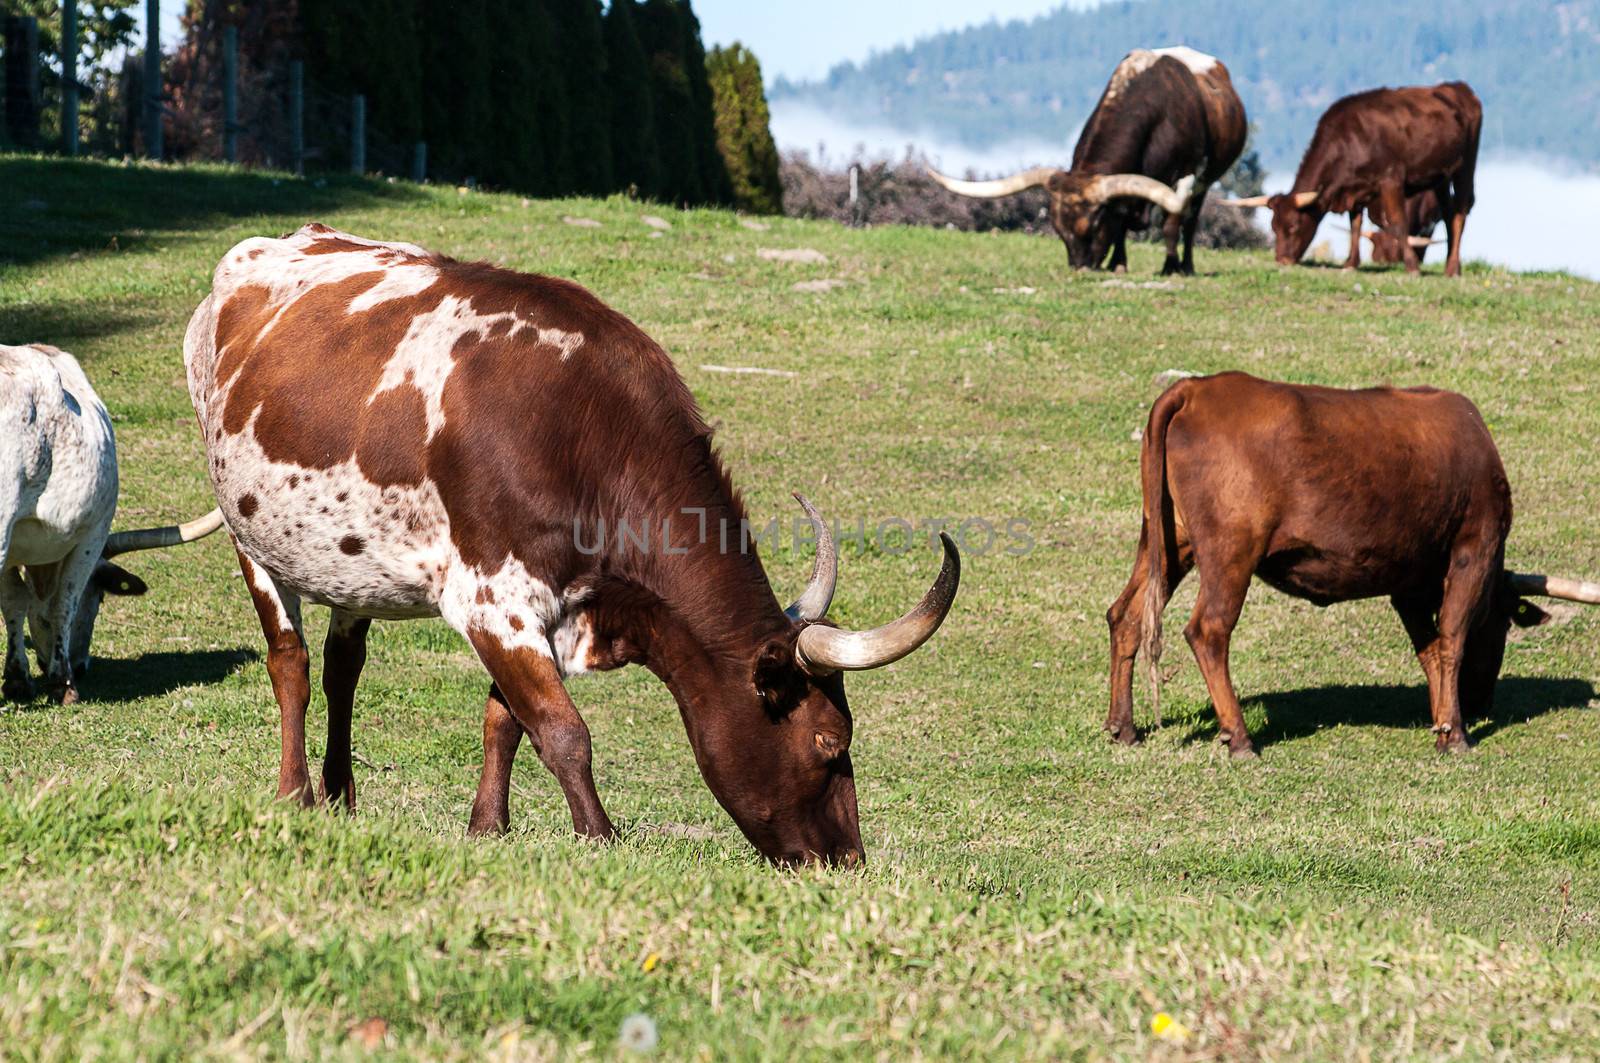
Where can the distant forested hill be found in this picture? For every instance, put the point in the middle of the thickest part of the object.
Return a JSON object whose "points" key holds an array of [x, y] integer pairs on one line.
{"points": [[1536, 65]]}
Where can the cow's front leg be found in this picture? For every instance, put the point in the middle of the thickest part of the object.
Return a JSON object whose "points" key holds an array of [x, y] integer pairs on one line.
{"points": [[289, 667], [1171, 231], [16, 684], [491, 808], [1352, 260], [1394, 211], [344, 654], [532, 689]]}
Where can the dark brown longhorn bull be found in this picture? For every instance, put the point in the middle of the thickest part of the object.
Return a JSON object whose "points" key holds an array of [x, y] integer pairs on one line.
{"points": [[1377, 148], [1327, 495], [1167, 127]]}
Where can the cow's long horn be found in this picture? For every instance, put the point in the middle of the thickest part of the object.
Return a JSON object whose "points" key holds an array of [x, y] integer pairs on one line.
{"points": [[1305, 199], [158, 538], [813, 604], [823, 649], [1245, 203], [1423, 241], [1118, 185], [1572, 590], [1005, 186]]}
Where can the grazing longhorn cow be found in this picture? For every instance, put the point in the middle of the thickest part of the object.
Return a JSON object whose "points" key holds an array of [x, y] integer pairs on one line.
{"points": [[396, 434], [58, 492], [1375, 149], [1327, 495], [1423, 214], [1167, 127]]}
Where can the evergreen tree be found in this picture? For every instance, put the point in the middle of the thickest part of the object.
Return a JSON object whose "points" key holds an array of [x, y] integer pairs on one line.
{"points": [[714, 178], [580, 50], [744, 135], [635, 157], [661, 33], [371, 47], [456, 110]]}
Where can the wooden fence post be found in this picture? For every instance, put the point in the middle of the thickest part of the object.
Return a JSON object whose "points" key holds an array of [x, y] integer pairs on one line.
{"points": [[69, 77], [230, 93], [22, 80], [358, 134], [297, 117], [152, 79], [419, 162]]}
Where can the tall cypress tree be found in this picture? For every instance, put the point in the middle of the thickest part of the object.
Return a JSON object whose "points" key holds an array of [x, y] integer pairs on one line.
{"points": [[635, 157], [515, 155], [661, 31], [714, 177], [744, 133], [456, 112], [580, 48]]}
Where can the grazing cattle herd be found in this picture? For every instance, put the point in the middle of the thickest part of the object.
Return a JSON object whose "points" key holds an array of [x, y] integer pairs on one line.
{"points": [[395, 434]]}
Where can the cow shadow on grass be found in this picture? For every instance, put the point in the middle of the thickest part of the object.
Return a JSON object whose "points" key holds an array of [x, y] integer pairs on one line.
{"points": [[150, 675], [1293, 714]]}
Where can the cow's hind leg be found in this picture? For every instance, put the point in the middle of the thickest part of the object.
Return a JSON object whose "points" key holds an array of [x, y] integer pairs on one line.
{"points": [[344, 653], [491, 808], [17, 684], [58, 610], [533, 692], [1466, 588], [1224, 581], [1126, 620], [1171, 230], [289, 667], [1352, 259], [1191, 225]]}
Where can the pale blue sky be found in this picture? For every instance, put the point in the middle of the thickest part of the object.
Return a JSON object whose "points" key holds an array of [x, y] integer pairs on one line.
{"points": [[803, 38]]}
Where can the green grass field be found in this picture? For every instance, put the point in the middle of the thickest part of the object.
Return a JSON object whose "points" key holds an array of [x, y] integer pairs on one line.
{"points": [[1031, 891]]}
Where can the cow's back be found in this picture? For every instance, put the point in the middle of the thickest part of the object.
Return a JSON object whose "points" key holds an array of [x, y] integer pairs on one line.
{"points": [[1376, 481], [378, 417], [1147, 118], [58, 462]]}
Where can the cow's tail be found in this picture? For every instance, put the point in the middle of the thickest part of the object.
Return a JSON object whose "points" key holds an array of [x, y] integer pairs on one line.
{"points": [[1157, 518]]}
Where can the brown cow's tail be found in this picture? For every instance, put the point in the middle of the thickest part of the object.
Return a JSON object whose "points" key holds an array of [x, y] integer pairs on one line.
{"points": [[1157, 516]]}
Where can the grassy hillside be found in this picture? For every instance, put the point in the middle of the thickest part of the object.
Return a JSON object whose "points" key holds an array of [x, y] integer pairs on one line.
{"points": [[1038, 79], [1031, 891]]}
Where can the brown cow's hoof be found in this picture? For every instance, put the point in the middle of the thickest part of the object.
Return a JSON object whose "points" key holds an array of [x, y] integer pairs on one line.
{"points": [[63, 693], [488, 824], [1123, 736], [1452, 744], [1245, 752]]}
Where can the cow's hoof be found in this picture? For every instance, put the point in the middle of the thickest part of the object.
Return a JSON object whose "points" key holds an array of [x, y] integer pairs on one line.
{"points": [[1123, 736], [1452, 744], [17, 688], [488, 827], [63, 693], [1244, 752]]}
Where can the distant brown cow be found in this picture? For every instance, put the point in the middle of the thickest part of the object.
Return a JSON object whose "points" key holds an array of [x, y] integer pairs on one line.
{"points": [[1379, 147], [1423, 214], [1327, 495]]}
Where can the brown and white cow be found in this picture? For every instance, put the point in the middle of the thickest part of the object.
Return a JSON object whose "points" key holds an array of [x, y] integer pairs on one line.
{"points": [[396, 434], [1327, 495], [1379, 147], [1168, 126]]}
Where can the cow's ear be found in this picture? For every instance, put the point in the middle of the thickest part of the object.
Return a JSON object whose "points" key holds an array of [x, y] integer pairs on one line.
{"points": [[114, 579], [777, 678], [1525, 614]]}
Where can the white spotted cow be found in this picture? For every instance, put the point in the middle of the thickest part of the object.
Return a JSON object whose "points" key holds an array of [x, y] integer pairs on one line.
{"points": [[396, 434]]}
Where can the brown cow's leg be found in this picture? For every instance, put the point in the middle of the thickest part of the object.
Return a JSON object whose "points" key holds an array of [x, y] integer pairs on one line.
{"points": [[491, 809], [535, 696], [289, 667], [1394, 216], [1209, 631], [1454, 224], [1464, 590], [1352, 260], [344, 653], [1126, 620]]}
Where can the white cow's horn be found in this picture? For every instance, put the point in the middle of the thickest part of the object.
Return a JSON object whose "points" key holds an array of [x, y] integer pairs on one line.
{"points": [[158, 538]]}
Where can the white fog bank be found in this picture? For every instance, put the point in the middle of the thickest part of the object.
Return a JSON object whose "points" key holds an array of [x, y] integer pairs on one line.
{"points": [[1531, 214]]}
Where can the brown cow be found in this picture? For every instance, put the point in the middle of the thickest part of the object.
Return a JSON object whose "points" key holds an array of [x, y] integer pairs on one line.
{"points": [[1167, 127], [1327, 495], [396, 434], [1379, 147], [1423, 214]]}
